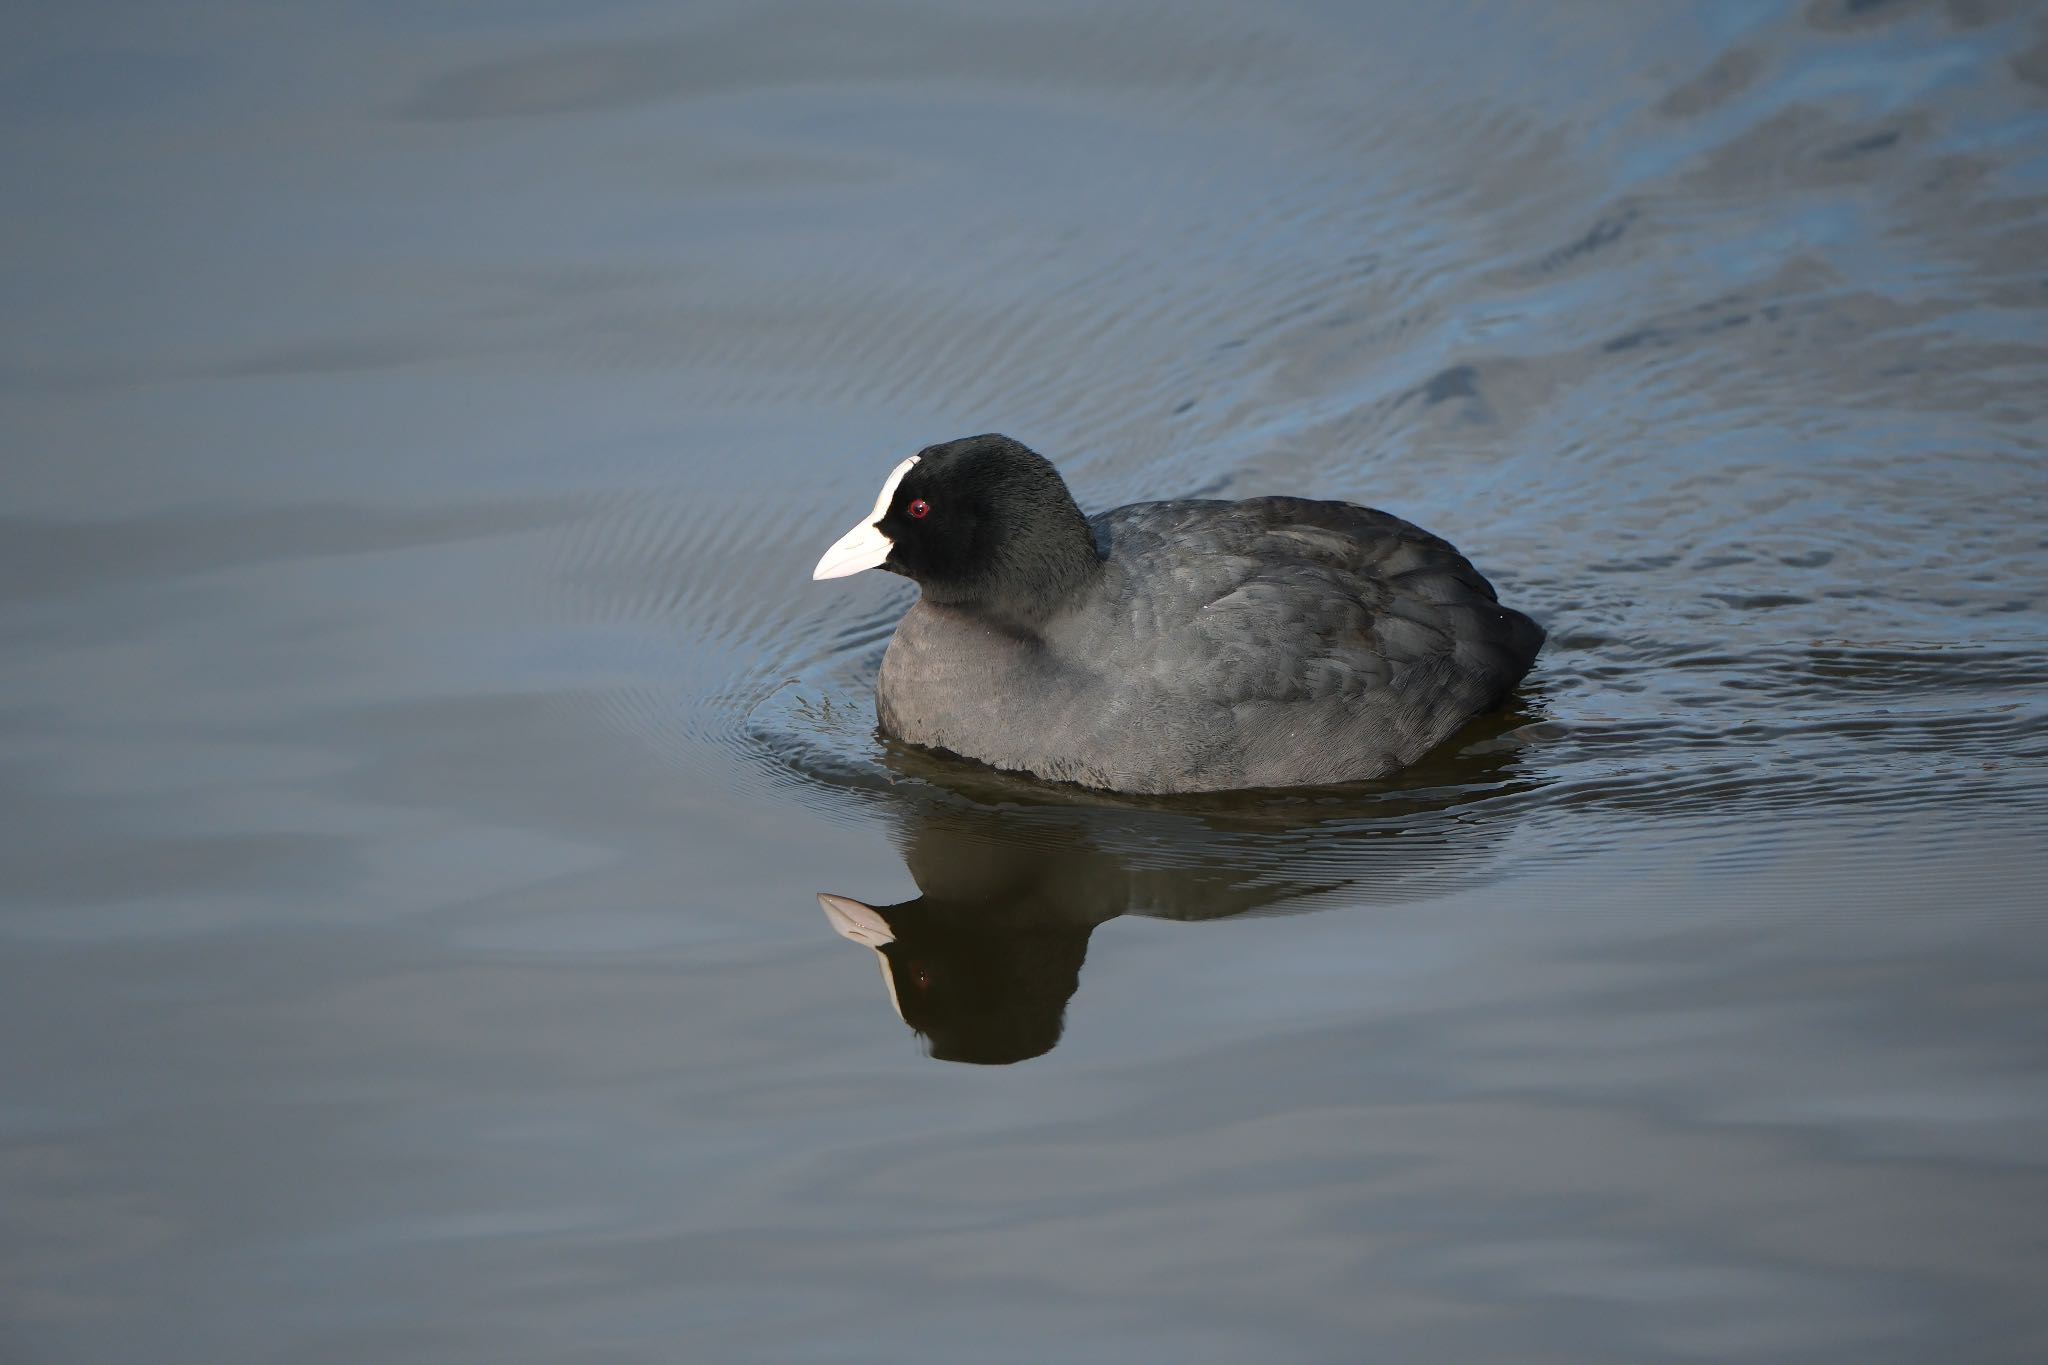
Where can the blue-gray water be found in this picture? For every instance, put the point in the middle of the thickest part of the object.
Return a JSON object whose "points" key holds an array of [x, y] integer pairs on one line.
{"points": [[423, 746]]}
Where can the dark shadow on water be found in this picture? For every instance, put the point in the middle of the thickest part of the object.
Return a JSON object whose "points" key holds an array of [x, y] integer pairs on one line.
{"points": [[1014, 877]]}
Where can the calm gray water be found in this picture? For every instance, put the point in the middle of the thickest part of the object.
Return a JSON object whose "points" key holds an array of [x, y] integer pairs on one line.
{"points": [[421, 746]]}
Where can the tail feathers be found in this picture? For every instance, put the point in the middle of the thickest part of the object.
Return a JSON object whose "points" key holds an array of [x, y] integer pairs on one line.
{"points": [[1518, 640]]}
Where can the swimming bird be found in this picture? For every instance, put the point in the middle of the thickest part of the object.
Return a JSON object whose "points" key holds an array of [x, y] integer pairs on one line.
{"points": [[1180, 646]]}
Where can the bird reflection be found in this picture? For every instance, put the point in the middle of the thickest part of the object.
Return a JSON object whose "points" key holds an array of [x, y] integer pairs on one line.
{"points": [[1014, 878]]}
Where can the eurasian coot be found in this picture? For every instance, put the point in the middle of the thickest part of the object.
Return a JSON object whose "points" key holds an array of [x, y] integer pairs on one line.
{"points": [[1184, 646]]}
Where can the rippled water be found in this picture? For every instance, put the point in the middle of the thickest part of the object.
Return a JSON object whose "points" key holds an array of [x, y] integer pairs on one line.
{"points": [[423, 746]]}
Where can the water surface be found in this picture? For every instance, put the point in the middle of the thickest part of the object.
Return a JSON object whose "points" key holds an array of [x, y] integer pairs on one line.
{"points": [[421, 747]]}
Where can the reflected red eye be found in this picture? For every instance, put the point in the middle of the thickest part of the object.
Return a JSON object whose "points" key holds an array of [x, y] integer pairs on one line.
{"points": [[918, 507], [919, 976]]}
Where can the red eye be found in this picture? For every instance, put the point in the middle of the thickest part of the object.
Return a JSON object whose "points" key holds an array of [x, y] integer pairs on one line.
{"points": [[920, 977], [918, 507]]}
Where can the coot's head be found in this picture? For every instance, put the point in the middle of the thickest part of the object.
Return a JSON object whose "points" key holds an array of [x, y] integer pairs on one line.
{"points": [[983, 523]]}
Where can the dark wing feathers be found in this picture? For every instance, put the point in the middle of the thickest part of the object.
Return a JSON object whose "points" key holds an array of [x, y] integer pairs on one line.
{"points": [[1295, 600]]}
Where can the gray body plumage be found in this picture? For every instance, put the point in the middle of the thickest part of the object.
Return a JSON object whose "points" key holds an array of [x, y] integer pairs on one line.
{"points": [[1273, 642]]}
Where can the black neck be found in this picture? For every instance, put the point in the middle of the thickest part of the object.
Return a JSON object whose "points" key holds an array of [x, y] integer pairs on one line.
{"points": [[1027, 584]]}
